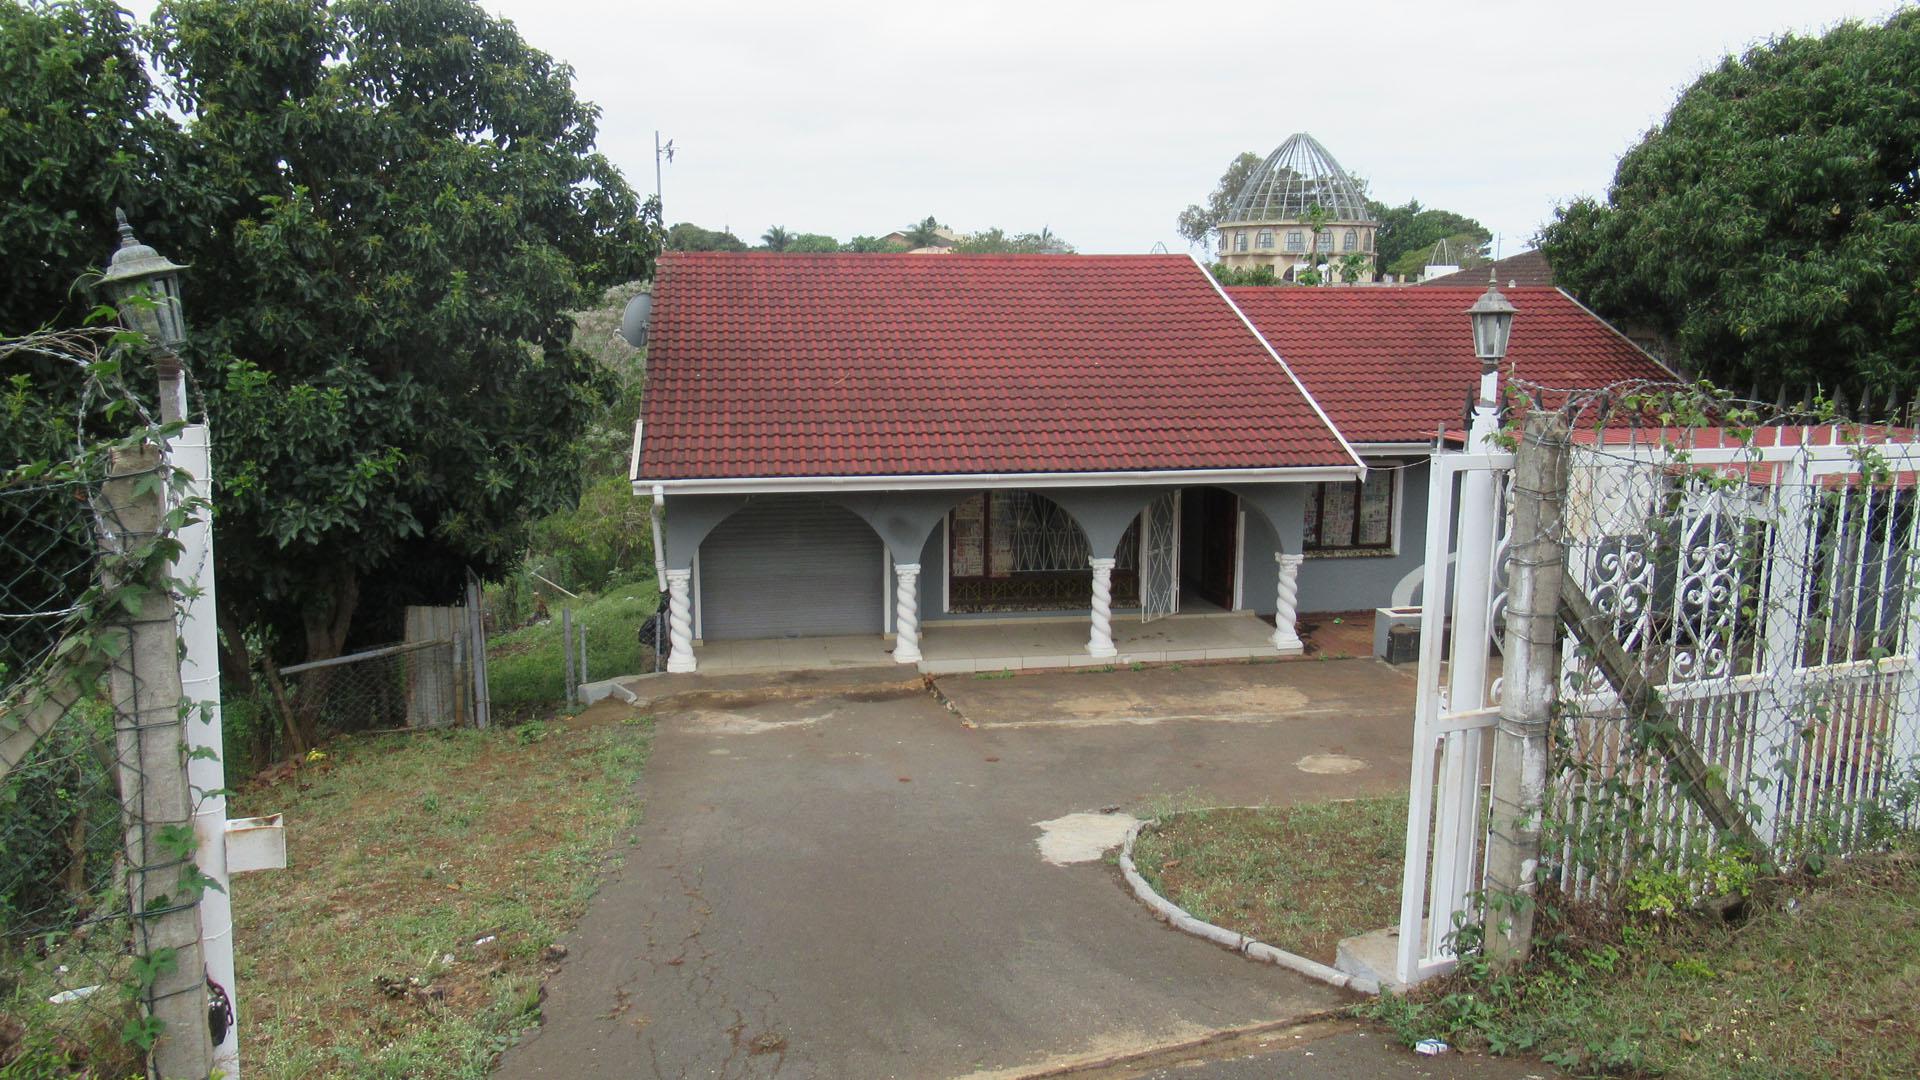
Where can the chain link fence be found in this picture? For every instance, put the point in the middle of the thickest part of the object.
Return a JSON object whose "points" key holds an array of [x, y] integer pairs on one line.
{"points": [[100, 961], [65, 934], [421, 684]]}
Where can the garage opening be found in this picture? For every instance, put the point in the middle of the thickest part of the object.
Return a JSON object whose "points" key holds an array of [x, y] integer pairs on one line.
{"points": [[791, 566]]}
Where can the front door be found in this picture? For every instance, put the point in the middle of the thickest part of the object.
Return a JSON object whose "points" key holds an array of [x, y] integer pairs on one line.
{"points": [[1214, 519], [1160, 557]]}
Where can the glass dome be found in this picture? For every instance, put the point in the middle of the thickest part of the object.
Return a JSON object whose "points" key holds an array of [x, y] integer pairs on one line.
{"points": [[1299, 175]]}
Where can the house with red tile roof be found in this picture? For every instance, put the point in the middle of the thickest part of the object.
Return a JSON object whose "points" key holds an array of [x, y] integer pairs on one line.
{"points": [[892, 448]]}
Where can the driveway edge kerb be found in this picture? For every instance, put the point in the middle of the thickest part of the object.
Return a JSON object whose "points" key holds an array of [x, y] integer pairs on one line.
{"points": [[1173, 915]]}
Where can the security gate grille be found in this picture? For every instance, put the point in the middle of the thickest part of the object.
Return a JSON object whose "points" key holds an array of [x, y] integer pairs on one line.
{"points": [[1160, 557]]}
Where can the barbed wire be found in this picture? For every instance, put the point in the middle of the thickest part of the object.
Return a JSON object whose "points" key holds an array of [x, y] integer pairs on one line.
{"points": [[90, 868]]}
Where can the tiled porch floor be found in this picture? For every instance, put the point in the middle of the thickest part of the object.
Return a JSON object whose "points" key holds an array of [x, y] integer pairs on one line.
{"points": [[1006, 646]]}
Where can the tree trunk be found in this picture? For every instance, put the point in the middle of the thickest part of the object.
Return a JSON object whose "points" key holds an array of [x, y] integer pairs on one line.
{"points": [[236, 678], [326, 621], [236, 662]]}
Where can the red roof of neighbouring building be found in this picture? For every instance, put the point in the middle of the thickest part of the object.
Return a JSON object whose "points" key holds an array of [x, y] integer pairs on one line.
{"points": [[764, 365], [1396, 364], [1526, 268]]}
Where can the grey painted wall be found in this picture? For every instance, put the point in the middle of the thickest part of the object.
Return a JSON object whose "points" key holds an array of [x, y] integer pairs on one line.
{"points": [[1326, 583], [1364, 582]]}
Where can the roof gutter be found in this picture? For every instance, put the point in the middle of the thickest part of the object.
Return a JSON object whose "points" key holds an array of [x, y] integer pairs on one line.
{"points": [[976, 481]]}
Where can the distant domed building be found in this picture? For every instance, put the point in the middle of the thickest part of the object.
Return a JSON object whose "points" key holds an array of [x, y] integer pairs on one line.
{"points": [[1269, 225]]}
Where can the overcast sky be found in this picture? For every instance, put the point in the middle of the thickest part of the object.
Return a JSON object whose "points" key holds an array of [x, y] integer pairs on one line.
{"points": [[1103, 119]]}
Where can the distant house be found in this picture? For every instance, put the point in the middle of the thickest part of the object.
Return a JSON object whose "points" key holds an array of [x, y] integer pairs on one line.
{"points": [[943, 238], [1527, 268], [882, 444]]}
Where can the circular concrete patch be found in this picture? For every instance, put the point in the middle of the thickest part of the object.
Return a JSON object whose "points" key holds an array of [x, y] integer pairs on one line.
{"points": [[1329, 764]]}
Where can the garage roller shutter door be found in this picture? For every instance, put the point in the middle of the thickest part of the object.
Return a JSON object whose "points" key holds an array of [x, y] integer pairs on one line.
{"points": [[790, 566]]}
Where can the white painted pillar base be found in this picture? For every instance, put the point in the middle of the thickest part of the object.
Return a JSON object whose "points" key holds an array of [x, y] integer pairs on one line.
{"points": [[1286, 603], [906, 613], [1100, 641], [680, 620]]}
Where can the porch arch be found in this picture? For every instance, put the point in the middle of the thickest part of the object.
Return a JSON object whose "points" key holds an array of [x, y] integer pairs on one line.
{"points": [[1281, 509]]}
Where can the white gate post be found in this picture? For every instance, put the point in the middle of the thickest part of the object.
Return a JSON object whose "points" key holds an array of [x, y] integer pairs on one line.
{"points": [[1100, 641], [1905, 737], [1457, 836], [1286, 603], [191, 452], [906, 615], [680, 621], [1790, 570]]}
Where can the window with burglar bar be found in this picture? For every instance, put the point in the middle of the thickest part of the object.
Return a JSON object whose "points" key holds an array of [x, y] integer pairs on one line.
{"points": [[1353, 515]]}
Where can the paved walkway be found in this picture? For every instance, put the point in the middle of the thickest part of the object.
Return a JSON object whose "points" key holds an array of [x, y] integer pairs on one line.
{"points": [[838, 878]]}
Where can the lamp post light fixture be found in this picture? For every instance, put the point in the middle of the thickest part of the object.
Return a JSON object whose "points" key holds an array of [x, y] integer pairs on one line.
{"points": [[1492, 316], [145, 286]]}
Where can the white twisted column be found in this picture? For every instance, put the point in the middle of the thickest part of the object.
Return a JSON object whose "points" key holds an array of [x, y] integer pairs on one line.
{"points": [[906, 613], [680, 620], [1100, 642], [1286, 602]]}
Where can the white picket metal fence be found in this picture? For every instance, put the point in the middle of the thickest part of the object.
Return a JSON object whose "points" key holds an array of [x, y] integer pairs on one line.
{"points": [[1768, 592], [1764, 583]]}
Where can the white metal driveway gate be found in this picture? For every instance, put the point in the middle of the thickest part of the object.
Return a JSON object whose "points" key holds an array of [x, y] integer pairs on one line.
{"points": [[1770, 594], [1454, 717]]}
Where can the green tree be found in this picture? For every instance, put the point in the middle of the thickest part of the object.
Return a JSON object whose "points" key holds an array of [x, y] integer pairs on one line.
{"points": [[1462, 249], [871, 244], [776, 239], [77, 138], [392, 206], [1250, 275], [925, 233], [812, 244], [996, 242], [1770, 226], [1406, 235], [1197, 222], [687, 236]]}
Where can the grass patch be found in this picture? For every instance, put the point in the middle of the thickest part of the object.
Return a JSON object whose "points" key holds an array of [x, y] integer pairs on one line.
{"points": [[1821, 982], [525, 669], [366, 956], [1299, 878]]}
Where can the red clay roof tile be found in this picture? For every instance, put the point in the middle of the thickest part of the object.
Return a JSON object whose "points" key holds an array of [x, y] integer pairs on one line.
{"points": [[1396, 364], [764, 365]]}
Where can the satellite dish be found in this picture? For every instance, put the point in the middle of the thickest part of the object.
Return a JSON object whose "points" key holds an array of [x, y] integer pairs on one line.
{"points": [[637, 319]]}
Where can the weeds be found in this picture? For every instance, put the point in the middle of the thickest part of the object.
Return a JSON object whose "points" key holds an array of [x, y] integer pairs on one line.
{"points": [[1299, 878], [405, 851], [1814, 984]]}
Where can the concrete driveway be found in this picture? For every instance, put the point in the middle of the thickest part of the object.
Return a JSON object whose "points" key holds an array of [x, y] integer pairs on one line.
{"points": [[839, 877]]}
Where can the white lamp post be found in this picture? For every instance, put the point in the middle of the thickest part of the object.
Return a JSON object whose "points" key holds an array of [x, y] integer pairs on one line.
{"points": [[1480, 513], [145, 286]]}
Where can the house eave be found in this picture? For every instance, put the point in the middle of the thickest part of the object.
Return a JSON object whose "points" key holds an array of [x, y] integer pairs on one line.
{"points": [[1394, 446], [761, 485]]}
